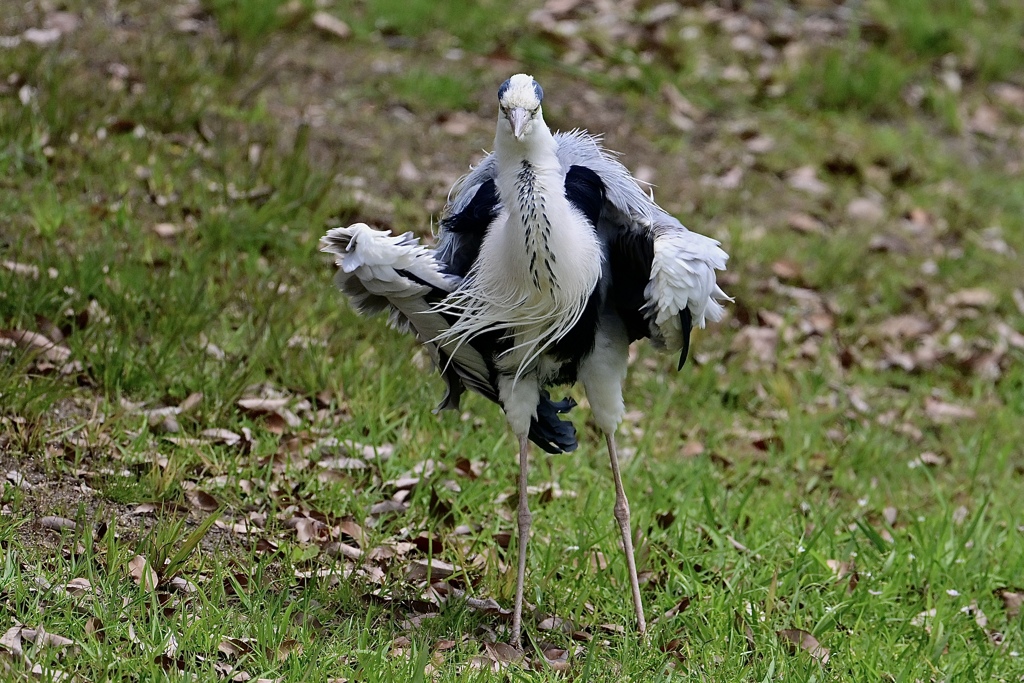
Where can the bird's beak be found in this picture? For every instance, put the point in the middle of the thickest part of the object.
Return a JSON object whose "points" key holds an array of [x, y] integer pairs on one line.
{"points": [[518, 117]]}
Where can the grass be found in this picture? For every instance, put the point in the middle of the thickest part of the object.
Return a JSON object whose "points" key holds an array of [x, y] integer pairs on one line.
{"points": [[785, 493]]}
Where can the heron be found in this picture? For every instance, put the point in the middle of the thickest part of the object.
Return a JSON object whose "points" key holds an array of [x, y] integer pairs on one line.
{"points": [[550, 260]]}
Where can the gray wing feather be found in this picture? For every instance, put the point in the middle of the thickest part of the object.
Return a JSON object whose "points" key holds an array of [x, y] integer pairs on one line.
{"points": [[400, 276]]}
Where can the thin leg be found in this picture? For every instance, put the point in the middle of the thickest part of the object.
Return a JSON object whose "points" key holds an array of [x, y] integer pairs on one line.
{"points": [[525, 520], [622, 517]]}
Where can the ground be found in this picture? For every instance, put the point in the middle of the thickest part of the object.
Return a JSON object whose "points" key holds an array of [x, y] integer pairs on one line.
{"points": [[214, 469]]}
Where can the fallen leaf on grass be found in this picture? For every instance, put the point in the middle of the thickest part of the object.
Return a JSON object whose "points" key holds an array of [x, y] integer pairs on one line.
{"points": [[18, 480], [344, 550], [787, 270], [805, 223], [57, 523], [678, 608], [309, 530], [25, 269], [288, 647], [806, 180], [11, 641], [94, 628], [330, 24], [79, 587], [800, 639], [839, 569], [202, 500], [15, 637], [226, 436], [387, 506], [556, 658], [1012, 601], [977, 297], [233, 648], [866, 210], [503, 653], [343, 463], [142, 573], [944, 413], [890, 514], [273, 411], [166, 230], [433, 568], [554, 624], [34, 341], [904, 327]]}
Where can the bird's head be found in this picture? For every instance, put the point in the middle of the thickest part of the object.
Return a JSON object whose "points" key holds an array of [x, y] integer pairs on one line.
{"points": [[519, 100]]}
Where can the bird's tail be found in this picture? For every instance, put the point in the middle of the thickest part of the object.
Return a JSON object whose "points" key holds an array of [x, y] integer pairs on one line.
{"points": [[398, 275]]}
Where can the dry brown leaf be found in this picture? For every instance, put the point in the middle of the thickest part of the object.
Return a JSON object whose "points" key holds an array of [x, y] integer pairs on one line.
{"points": [[94, 628], [556, 658], [1012, 601], [33, 341], [330, 24], [977, 297], [58, 523], [354, 531], [554, 624], [787, 270], [167, 230], [202, 500], [890, 514], [11, 641], [798, 638], [388, 506], [691, 449], [272, 411], [79, 587], [806, 180], [43, 638], [223, 436], [866, 210], [678, 608], [288, 647], [309, 530], [343, 463], [25, 269], [907, 326], [232, 648], [805, 223], [190, 403], [347, 551], [503, 653], [433, 569], [483, 663], [942, 412], [142, 573]]}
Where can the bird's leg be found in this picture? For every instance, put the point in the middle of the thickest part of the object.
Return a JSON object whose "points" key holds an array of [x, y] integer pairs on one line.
{"points": [[525, 520], [622, 517]]}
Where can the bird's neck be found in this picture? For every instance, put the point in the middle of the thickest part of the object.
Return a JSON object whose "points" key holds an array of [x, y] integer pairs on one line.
{"points": [[530, 179], [531, 185], [537, 147]]}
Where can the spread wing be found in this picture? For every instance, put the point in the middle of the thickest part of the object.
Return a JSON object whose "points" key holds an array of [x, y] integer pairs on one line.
{"points": [[398, 275]]}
